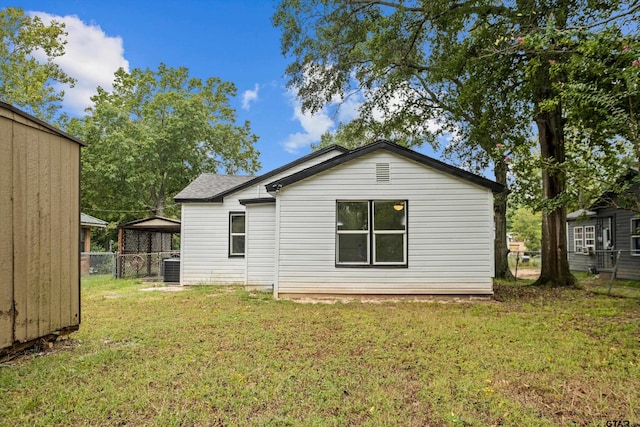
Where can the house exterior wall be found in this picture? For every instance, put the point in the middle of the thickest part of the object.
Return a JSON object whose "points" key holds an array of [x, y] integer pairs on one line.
{"points": [[628, 264], [620, 220], [204, 245], [260, 245], [40, 233], [450, 231], [204, 253]]}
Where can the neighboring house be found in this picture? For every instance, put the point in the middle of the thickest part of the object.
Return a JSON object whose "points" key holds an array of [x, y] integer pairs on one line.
{"points": [[380, 219], [87, 222], [40, 233], [595, 235]]}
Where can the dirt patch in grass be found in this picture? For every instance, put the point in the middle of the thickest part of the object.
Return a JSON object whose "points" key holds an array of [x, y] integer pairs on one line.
{"points": [[384, 299], [167, 288]]}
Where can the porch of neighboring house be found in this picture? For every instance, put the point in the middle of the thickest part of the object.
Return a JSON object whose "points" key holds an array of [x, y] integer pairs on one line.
{"points": [[147, 246], [598, 241], [87, 223]]}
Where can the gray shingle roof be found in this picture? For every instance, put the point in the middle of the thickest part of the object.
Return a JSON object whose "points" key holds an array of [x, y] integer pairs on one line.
{"points": [[91, 221], [209, 185], [580, 213]]}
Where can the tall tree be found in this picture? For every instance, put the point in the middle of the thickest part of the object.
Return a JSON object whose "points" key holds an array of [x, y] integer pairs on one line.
{"points": [[509, 48], [28, 72], [152, 135]]}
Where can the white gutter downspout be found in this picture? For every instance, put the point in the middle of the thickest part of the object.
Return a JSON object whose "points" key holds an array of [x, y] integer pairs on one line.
{"points": [[276, 255]]}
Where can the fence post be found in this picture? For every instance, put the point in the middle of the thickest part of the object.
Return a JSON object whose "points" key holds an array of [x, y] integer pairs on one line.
{"points": [[114, 264], [613, 273]]}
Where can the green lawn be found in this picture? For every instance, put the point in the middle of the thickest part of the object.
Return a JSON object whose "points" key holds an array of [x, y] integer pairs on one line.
{"points": [[223, 356]]}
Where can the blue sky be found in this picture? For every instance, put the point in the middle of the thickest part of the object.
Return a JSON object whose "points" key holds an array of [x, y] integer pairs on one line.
{"points": [[230, 39]]}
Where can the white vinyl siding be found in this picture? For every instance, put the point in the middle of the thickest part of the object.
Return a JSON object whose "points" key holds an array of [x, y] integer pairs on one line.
{"points": [[204, 245], [449, 231], [260, 245]]}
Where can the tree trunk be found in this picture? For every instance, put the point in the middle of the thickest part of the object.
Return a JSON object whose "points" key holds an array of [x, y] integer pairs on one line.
{"points": [[555, 264], [501, 250]]}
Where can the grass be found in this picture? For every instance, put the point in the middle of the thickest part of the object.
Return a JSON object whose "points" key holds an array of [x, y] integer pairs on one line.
{"points": [[224, 356]]}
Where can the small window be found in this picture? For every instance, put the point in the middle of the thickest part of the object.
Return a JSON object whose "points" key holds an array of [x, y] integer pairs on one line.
{"points": [[590, 238], [635, 236], [578, 239], [236, 233]]}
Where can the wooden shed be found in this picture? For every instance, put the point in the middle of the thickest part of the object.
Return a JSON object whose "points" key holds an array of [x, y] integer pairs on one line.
{"points": [[40, 233]]}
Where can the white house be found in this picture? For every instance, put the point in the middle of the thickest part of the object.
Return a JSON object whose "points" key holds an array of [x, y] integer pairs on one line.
{"points": [[376, 220]]}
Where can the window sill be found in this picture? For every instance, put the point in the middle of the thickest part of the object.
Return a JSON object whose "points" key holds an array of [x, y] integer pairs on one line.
{"points": [[377, 266]]}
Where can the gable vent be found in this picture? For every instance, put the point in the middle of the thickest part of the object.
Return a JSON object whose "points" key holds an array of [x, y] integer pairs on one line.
{"points": [[382, 172]]}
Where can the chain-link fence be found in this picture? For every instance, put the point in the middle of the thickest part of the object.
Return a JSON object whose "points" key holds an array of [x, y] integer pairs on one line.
{"points": [[143, 265], [98, 263]]}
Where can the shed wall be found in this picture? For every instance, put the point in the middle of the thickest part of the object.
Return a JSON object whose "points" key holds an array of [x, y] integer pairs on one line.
{"points": [[40, 207], [450, 231]]}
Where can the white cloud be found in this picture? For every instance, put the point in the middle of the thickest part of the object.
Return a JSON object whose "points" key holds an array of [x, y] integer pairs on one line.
{"points": [[314, 125], [344, 109], [250, 96], [91, 57]]}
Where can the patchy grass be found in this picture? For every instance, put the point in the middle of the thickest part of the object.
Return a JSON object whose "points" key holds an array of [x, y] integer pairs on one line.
{"points": [[224, 356]]}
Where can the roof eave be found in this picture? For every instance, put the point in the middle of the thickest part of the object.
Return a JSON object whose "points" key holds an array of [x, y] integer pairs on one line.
{"points": [[495, 187]]}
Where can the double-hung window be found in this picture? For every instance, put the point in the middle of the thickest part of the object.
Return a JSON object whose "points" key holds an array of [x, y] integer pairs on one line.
{"points": [[236, 234], [578, 239], [590, 238], [371, 233], [635, 236]]}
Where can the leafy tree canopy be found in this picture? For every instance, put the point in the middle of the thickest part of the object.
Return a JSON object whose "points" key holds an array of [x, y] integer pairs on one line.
{"points": [[28, 72], [154, 134]]}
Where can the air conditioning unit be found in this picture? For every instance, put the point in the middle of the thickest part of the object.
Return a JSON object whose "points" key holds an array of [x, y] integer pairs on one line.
{"points": [[171, 270]]}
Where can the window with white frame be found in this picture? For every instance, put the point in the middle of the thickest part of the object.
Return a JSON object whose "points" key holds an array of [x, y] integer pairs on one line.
{"points": [[635, 236], [236, 234], [578, 239], [590, 238], [372, 232]]}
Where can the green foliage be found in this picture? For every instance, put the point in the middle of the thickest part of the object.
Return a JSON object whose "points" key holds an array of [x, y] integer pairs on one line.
{"points": [[528, 227], [28, 72], [154, 134]]}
